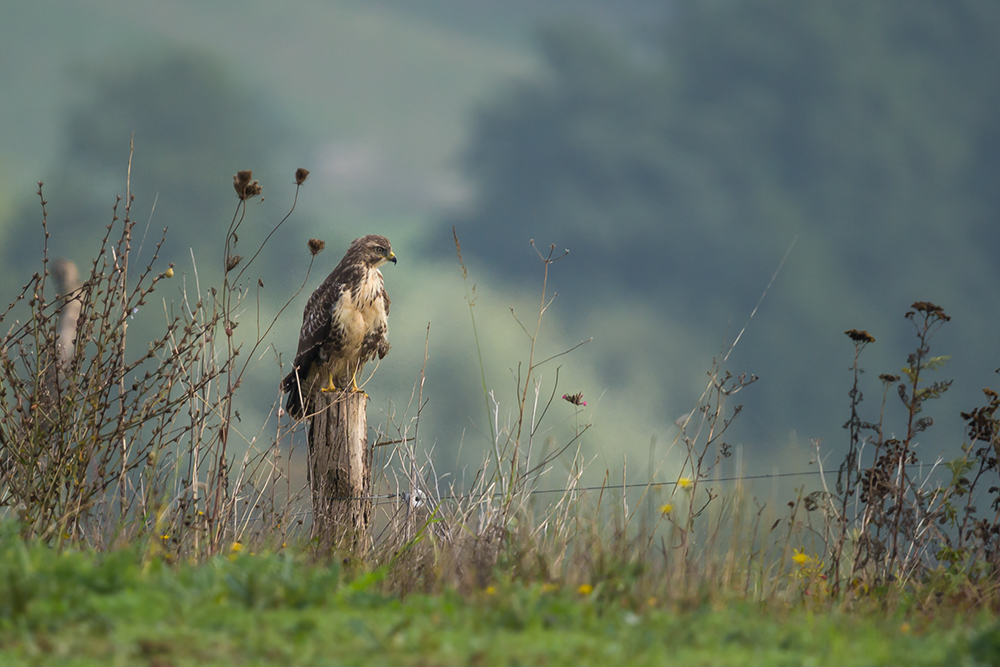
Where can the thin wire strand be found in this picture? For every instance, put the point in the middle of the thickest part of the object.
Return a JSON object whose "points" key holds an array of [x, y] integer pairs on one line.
{"points": [[636, 485]]}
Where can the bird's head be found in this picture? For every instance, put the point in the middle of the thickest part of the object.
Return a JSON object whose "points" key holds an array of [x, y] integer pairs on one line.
{"points": [[374, 250]]}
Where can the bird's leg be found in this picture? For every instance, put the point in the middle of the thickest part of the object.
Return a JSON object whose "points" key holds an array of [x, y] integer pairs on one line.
{"points": [[355, 389], [330, 387]]}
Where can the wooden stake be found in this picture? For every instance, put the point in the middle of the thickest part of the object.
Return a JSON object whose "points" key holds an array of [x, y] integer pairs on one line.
{"points": [[340, 469]]}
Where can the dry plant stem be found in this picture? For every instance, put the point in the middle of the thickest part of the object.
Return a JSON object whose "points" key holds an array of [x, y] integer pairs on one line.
{"points": [[96, 437], [547, 260], [913, 405], [123, 296], [232, 295], [475, 333], [847, 475], [868, 511]]}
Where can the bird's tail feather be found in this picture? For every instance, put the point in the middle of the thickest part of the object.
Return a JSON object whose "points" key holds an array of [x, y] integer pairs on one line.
{"points": [[293, 406]]}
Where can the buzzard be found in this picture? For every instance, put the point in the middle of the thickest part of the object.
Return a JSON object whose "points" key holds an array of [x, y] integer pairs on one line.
{"points": [[344, 324]]}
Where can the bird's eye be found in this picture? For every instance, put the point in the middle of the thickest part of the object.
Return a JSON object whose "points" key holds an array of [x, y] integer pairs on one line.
{"points": [[380, 250]]}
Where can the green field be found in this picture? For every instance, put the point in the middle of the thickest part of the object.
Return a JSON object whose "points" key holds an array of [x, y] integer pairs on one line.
{"points": [[126, 607]]}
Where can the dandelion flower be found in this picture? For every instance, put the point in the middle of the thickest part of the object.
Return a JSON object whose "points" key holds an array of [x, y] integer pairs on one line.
{"points": [[684, 482], [585, 589], [800, 558], [666, 509], [490, 590], [236, 548]]}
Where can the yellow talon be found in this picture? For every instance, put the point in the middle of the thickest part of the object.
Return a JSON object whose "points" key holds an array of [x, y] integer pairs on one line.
{"points": [[330, 387], [354, 383]]}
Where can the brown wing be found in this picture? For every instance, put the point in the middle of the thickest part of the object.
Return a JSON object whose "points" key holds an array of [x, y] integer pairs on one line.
{"points": [[316, 321], [383, 346], [316, 330]]}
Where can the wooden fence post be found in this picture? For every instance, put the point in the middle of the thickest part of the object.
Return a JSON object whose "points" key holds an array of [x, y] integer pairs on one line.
{"points": [[340, 469]]}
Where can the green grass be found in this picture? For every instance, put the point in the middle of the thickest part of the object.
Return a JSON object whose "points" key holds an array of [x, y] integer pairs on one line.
{"points": [[128, 607]]}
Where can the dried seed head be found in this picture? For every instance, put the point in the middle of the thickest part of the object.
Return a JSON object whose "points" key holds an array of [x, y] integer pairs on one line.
{"points": [[316, 246], [233, 261], [242, 179], [301, 175], [860, 336], [929, 309], [244, 185]]}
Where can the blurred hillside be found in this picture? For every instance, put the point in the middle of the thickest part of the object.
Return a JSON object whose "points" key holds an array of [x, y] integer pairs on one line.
{"points": [[680, 167], [677, 153]]}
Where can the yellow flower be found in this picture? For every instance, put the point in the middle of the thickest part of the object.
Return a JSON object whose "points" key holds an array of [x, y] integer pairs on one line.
{"points": [[237, 547], [666, 509], [800, 558], [169, 273], [164, 537], [905, 628], [585, 589], [490, 590], [684, 482]]}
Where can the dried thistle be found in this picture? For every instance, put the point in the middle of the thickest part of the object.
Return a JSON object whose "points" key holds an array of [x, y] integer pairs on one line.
{"points": [[232, 262], [301, 175], [316, 246], [575, 399], [244, 185]]}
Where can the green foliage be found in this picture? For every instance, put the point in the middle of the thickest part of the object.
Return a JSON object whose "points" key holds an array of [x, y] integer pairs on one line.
{"points": [[97, 608], [931, 364], [42, 588]]}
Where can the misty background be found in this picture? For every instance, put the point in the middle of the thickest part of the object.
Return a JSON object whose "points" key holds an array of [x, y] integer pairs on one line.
{"points": [[678, 149]]}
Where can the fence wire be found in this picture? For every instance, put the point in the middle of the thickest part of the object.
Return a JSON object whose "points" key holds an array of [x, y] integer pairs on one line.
{"points": [[405, 495]]}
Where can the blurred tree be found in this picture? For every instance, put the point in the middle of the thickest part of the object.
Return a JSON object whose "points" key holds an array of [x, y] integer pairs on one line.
{"points": [[679, 167], [193, 126], [872, 124]]}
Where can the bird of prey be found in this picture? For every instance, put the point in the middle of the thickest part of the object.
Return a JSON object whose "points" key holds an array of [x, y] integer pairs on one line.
{"points": [[344, 324]]}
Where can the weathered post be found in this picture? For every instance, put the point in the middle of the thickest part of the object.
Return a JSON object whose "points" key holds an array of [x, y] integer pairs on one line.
{"points": [[340, 468]]}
